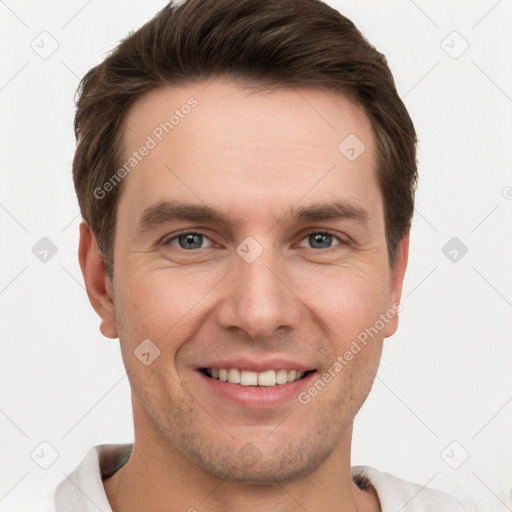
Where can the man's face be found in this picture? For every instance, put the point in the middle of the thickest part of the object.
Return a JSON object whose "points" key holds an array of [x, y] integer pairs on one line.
{"points": [[262, 289]]}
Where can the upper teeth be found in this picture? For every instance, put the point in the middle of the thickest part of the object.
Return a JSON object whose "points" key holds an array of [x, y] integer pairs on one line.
{"points": [[246, 378]]}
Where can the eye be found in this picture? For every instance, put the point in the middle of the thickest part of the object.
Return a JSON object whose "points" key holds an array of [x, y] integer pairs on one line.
{"points": [[189, 241], [320, 240]]}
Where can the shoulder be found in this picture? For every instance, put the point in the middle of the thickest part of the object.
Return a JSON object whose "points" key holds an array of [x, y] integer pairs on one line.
{"points": [[85, 484], [397, 494]]}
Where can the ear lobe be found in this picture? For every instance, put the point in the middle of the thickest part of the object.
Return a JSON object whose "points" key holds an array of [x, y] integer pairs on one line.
{"points": [[397, 281], [97, 282]]}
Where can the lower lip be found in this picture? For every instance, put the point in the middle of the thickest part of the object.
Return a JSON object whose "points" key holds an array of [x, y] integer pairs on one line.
{"points": [[257, 397]]}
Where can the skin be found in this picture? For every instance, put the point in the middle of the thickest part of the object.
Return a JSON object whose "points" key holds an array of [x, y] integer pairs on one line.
{"points": [[254, 155]]}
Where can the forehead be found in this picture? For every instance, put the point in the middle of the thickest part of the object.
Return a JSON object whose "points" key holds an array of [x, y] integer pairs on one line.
{"points": [[214, 142]]}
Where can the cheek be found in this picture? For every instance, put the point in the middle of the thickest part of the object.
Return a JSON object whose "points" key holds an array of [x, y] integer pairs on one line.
{"points": [[350, 307], [161, 305], [348, 302]]}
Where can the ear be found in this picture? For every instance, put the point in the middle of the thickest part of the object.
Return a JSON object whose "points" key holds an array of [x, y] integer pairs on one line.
{"points": [[97, 282], [397, 280]]}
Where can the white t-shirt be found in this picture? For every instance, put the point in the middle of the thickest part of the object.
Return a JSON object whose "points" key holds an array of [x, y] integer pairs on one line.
{"points": [[83, 490]]}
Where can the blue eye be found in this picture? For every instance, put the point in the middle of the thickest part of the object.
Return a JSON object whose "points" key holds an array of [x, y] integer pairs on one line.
{"points": [[189, 240], [192, 240], [321, 240]]}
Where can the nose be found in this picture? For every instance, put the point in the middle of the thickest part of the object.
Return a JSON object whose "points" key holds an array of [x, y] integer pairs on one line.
{"points": [[258, 298]]}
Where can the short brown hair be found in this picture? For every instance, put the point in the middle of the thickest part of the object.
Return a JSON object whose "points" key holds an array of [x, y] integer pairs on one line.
{"points": [[260, 43]]}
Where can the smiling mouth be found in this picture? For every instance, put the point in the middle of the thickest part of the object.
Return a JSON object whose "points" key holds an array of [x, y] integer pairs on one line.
{"points": [[267, 378]]}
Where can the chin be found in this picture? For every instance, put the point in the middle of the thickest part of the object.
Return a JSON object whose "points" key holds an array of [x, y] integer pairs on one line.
{"points": [[269, 465]]}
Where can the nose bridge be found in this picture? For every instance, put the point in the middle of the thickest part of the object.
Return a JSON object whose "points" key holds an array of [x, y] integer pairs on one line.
{"points": [[258, 299]]}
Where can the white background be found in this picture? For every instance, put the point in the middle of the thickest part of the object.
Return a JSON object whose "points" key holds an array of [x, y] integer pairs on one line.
{"points": [[445, 376]]}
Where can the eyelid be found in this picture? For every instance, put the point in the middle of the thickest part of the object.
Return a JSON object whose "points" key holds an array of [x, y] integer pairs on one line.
{"points": [[338, 236], [341, 240], [168, 239]]}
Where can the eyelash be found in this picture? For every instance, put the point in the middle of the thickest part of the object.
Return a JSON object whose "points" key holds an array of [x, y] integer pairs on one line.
{"points": [[308, 234]]}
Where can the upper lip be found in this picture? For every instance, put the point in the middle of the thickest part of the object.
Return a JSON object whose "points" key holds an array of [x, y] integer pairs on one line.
{"points": [[258, 365]]}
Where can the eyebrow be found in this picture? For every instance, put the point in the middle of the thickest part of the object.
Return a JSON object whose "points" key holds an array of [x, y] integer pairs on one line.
{"points": [[166, 212]]}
